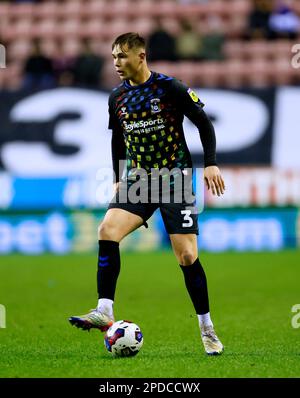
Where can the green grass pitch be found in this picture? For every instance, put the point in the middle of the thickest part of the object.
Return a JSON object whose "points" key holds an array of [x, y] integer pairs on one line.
{"points": [[251, 296]]}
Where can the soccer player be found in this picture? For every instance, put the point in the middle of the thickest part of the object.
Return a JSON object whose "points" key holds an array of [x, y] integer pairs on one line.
{"points": [[146, 112]]}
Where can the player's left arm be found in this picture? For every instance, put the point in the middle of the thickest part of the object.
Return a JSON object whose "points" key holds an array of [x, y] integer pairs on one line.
{"points": [[193, 109], [214, 180]]}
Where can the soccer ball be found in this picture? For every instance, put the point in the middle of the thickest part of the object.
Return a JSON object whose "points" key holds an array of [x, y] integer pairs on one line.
{"points": [[123, 339]]}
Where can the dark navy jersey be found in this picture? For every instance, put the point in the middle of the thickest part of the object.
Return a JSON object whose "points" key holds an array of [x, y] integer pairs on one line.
{"points": [[149, 117]]}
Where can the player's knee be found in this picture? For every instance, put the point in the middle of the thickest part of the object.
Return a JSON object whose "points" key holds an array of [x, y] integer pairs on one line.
{"points": [[187, 257], [106, 231]]}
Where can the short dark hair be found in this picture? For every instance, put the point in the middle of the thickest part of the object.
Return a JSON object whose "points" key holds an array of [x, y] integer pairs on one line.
{"points": [[133, 40]]}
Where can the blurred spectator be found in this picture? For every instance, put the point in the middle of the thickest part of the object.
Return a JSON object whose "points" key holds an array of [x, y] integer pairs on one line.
{"points": [[283, 22], [88, 67], [161, 45], [63, 65], [213, 41], [188, 43], [4, 44], [258, 23], [38, 70]]}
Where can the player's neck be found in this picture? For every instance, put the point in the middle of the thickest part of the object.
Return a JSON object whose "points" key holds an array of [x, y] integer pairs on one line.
{"points": [[141, 77]]}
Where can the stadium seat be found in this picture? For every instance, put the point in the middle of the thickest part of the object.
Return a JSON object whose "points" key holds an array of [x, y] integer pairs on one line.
{"points": [[296, 7], [22, 28], [94, 28], [21, 10], [46, 28], [49, 47], [199, 24], [144, 8], [162, 67], [96, 8], [4, 10], [13, 76], [71, 47], [282, 49], [47, 10], [258, 73], [217, 7], [120, 8], [70, 27], [144, 25], [257, 49], [241, 8], [19, 50], [234, 49], [234, 73], [213, 74], [165, 8], [282, 71], [71, 9], [116, 27], [186, 71], [102, 48], [235, 26], [171, 25], [256, 63], [191, 10]]}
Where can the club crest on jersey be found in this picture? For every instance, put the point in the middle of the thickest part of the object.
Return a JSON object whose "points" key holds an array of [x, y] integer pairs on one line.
{"points": [[155, 105], [193, 95], [123, 110]]}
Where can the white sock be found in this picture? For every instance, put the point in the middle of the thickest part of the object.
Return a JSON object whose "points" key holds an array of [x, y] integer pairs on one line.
{"points": [[106, 306], [204, 320]]}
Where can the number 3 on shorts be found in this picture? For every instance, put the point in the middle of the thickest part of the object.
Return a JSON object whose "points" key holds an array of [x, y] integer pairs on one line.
{"points": [[187, 217]]}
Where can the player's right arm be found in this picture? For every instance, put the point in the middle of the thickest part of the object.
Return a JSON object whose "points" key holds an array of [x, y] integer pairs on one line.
{"points": [[118, 148]]}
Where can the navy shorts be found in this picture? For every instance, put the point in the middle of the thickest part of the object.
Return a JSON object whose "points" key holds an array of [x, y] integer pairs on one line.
{"points": [[178, 218]]}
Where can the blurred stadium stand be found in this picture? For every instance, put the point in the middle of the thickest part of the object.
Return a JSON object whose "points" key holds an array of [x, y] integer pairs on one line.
{"points": [[257, 62]]}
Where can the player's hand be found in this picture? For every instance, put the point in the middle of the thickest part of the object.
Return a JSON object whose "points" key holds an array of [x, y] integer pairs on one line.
{"points": [[214, 180]]}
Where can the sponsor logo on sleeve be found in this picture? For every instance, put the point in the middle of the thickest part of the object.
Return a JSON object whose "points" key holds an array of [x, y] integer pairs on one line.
{"points": [[193, 95]]}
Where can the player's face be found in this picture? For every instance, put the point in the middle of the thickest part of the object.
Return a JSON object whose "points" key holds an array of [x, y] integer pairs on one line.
{"points": [[127, 61]]}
